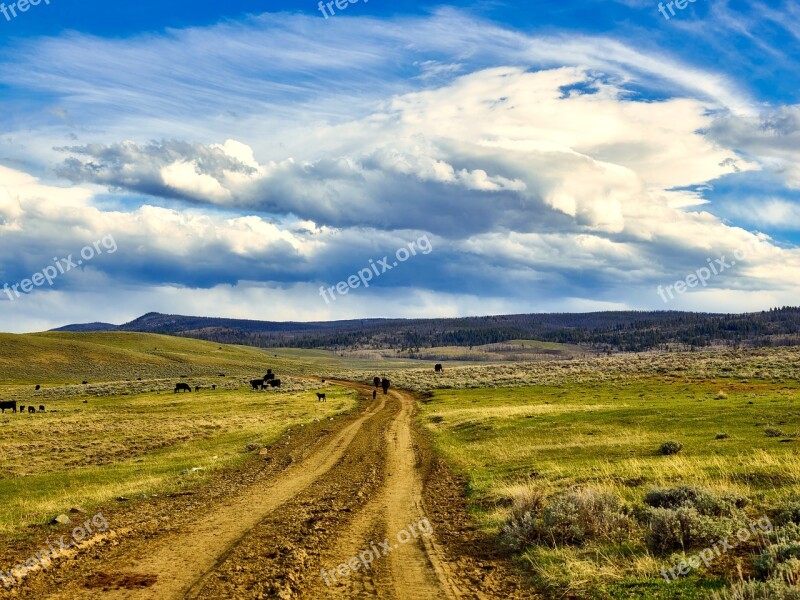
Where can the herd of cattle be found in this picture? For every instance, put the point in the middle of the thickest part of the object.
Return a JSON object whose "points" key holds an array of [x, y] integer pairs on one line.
{"points": [[12, 405], [269, 379]]}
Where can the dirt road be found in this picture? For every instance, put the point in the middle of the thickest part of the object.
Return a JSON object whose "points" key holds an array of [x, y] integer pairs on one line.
{"points": [[339, 513]]}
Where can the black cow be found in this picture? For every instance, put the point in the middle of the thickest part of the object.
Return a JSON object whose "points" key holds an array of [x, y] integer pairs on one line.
{"points": [[385, 385], [31, 409], [85, 383], [183, 387], [38, 387], [12, 404], [258, 384], [321, 397], [374, 394], [41, 408], [376, 381], [197, 388], [275, 383], [438, 367], [214, 386], [269, 376], [21, 408]]}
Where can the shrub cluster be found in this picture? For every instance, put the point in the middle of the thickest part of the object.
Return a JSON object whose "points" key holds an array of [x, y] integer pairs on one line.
{"points": [[573, 517], [686, 517], [670, 447]]}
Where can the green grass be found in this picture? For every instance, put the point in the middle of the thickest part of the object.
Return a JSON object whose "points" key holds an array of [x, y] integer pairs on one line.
{"points": [[85, 454], [51, 358], [515, 429], [513, 441]]}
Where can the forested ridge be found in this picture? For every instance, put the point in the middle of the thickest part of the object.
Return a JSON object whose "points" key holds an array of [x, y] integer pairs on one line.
{"points": [[624, 331]]}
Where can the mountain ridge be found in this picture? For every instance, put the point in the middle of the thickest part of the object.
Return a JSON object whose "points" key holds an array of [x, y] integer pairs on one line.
{"points": [[626, 331]]}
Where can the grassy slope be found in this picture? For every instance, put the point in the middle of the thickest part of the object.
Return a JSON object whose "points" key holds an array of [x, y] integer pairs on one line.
{"points": [[69, 358], [85, 453], [48, 358]]}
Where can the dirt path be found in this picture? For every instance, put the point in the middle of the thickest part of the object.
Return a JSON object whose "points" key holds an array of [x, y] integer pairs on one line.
{"points": [[356, 497], [415, 567]]}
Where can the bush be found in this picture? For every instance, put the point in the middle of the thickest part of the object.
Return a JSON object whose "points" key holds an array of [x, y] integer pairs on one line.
{"points": [[773, 432], [683, 495], [781, 560], [671, 530], [573, 517], [722, 436], [787, 512], [530, 500], [722, 395], [671, 447], [703, 501], [789, 532], [757, 590]]}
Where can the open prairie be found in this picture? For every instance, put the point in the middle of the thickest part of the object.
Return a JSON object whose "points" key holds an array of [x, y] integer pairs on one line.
{"points": [[539, 479]]}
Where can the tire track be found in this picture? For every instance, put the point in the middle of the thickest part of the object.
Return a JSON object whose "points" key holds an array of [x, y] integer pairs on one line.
{"points": [[416, 569], [185, 559]]}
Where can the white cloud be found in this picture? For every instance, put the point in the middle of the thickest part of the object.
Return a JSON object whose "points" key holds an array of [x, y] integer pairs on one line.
{"points": [[546, 180]]}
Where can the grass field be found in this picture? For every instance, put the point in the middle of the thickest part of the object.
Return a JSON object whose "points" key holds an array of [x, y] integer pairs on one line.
{"points": [[510, 351], [552, 450], [562, 456], [127, 438]]}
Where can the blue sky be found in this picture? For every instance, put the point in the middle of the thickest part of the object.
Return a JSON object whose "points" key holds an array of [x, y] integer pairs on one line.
{"points": [[559, 156]]}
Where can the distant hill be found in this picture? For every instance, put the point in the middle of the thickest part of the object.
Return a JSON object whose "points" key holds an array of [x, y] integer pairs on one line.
{"points": [[87, 327], [621, 331], [70, 357]]}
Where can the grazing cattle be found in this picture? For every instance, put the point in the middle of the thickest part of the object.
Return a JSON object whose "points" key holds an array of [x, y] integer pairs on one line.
{"points": [[374, 394], [38, 387], [182, 387], [376, 381], [21, 408], [31, 409], [12, 404], [269, 376], [85, 383], [197, 388], [321, 397], [257, 384], [275, 383], [438, 368], [220, 374], [385, 385], [41, 408], [214, 386]]}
